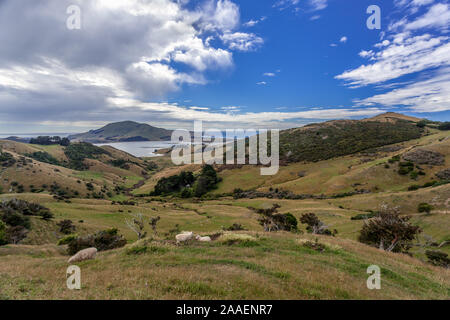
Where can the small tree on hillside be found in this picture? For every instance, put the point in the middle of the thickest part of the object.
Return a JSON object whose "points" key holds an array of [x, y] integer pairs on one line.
{"points": [[137, 225], [425, 207], [314, 225], [153, 222], [389, 231]]}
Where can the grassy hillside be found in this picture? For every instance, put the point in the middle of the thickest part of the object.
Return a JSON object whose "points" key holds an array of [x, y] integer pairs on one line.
{"points": [[245, 264], [362, 171], [79, 170], [262, 266], [337, 138]]}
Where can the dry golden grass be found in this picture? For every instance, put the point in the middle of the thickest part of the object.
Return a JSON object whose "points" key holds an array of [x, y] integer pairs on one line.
{"points": [[277, 266]]}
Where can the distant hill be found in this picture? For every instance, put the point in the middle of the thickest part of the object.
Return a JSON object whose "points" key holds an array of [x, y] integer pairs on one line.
{"points": [[125, 131], [392, 117], [322, 141]]}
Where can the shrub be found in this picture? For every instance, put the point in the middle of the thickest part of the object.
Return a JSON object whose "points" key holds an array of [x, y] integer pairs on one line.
{"points": [[235, 227], [102, 240], [364, 216], [3, 233], [136, 250], [314, 225], [15, 234], [43, 157], [314, 245], [388, 231], [66, 226], [186, 193], [425, 207], [413, 187], [414, 175], [438, 258], [272, 221], [67, 239], [15, 219], [444, 126], [174, 183]]}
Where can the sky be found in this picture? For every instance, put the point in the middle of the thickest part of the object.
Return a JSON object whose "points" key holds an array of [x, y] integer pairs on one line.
{"points": [[231, 64]]}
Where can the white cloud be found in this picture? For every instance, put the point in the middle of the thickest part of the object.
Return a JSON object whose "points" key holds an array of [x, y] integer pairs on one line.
{"points": [[222, 15], [269, 74], [343, 39], [242, 41], [405, 55], [366, 54], [261, 83], [437, 17], [430, 95], [313, 5], [252, 23], [318, 4], [154, 48]]}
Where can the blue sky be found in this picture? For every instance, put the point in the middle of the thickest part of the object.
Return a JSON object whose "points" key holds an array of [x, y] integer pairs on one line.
{"points": [[232, 64]]}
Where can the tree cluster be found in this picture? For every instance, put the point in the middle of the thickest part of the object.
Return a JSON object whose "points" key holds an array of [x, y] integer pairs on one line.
{"points": [[46, 141]]}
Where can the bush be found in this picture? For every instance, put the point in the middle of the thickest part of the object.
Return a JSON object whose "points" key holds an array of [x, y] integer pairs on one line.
{"points": [[235, 227], [444, 126], [425, 207], [316, 246], [102, 240], [174, 183], [67, 239], [25, 208], [15, 234], [15, 219], [438, 258], [364, 216], [314, 225], [66, 226], [272, 221], [388, 231], [3, 233], [43, 157]]}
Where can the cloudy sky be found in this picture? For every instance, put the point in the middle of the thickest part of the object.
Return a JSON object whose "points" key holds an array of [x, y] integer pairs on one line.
{"points": [[232, 64]]}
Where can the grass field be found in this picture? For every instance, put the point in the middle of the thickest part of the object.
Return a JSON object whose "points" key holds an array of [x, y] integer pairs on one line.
{"points": [[248, 264]]}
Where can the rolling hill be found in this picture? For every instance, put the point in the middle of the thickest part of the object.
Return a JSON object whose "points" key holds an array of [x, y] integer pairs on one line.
{"points": [[125, 131], [342, 182]]}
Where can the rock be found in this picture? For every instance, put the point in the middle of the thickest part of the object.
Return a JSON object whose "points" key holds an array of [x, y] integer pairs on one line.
{"points": [[421, 156], [86, 254]]}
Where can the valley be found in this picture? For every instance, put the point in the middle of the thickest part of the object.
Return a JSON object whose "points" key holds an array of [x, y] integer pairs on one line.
{"points": [[100, 187]]}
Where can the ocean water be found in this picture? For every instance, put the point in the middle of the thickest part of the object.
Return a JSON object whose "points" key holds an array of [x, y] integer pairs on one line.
{"points": [[140, 149]]}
